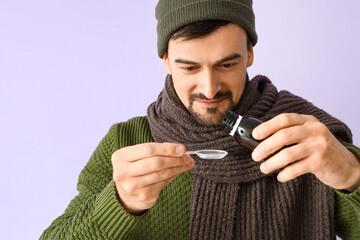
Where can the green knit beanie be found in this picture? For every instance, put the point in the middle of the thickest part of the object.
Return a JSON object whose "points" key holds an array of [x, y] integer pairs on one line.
{"points": [[175, 14]]}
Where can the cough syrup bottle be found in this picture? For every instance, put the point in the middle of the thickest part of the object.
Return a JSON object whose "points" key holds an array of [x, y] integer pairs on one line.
{"points": [[241, 128]]}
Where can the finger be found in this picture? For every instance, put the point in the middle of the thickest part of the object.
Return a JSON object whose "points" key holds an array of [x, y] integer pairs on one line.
{"points": [[283, 137], [151, 192], [146, 150], [283, 158], [155, 164], [163, 175], [135, 185], [156, 187], [281, 121], [294, 170]]}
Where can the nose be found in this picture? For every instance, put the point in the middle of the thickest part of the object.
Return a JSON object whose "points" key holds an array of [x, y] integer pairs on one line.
{"points": [[209, 85]]}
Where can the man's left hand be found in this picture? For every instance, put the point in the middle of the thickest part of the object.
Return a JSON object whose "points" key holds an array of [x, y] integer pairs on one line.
{"points": [[314, 149]]}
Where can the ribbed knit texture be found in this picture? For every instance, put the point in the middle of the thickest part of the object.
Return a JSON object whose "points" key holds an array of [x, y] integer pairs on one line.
{"points": [[175, 14], [236, 181], [97, 214]]}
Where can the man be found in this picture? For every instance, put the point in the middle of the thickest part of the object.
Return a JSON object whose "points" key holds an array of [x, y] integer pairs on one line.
{"points": [[140, 184]]}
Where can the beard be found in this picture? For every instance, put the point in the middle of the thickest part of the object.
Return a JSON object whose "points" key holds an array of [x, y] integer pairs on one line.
{"points": [[213, 115]]}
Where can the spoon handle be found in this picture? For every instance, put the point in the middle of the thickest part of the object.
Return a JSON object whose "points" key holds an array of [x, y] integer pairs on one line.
{"points": [[190, 152]]}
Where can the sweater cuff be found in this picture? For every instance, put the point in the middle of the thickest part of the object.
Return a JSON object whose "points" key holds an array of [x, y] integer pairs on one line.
{"points": [[111, 217], [354, 197]]}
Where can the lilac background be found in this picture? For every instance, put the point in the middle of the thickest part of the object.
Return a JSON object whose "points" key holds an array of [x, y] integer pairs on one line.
{"points": [[70, 69]]}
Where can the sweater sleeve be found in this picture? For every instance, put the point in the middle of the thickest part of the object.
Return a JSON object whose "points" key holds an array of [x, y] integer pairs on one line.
{"points": [[347, 208], [96, 213]]}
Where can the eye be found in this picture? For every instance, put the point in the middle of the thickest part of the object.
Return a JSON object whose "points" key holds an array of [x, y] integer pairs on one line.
{"points": [[228, 65], [189, 69]]}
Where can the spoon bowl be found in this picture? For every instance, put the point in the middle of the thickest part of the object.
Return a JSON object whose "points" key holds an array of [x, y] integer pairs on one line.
{"points": [[209, 153]]}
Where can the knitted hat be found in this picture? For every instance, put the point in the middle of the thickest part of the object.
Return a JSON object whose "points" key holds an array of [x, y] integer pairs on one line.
{"points": [[175, 14]]}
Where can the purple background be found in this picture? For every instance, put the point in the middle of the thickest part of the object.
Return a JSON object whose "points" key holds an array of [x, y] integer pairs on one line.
{"points": [[70, 69]]}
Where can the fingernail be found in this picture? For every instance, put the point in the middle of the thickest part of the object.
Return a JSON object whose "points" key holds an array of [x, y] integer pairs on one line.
{"points": [[178, 150], [263, 168], [256, 133], [255, 155]]}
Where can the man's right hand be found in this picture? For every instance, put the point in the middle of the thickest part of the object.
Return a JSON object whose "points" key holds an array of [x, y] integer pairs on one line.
{"points": [[141, 171]]}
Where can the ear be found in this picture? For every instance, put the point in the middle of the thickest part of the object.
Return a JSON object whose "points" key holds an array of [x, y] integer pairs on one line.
{"points": [[166, 64], [250, 56]]}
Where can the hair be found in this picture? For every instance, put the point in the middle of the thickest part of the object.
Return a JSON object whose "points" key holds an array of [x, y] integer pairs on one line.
{"points": [[201, 29]]}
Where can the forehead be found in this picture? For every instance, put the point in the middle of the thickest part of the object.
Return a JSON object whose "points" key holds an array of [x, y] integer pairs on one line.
{"points": [[226, 40]]}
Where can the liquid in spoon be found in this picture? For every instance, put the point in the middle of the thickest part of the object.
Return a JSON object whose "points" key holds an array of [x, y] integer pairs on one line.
{"points": [[209, 153]]}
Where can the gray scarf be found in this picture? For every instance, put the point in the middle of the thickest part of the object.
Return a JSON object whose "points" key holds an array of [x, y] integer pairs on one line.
{"points": [[231, 198]]}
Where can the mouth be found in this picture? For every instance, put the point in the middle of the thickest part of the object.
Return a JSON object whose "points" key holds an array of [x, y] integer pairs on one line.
{"points": [[210, 103]]}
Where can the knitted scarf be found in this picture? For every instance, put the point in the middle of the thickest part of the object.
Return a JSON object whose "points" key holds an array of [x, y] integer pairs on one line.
{"points": [[231, 198]]}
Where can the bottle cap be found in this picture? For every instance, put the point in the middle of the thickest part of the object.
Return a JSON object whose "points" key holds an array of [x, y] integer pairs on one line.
{"points": [[231, 121]]}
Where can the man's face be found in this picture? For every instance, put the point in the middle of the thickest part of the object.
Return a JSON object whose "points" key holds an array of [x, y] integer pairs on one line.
{"points": [[209, 73]]}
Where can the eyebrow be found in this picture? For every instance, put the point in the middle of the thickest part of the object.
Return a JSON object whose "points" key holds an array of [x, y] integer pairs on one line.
{"points": [[230, 57]]}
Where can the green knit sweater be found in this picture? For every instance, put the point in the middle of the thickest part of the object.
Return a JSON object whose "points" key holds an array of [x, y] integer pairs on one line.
{"points": [[96, 213]]}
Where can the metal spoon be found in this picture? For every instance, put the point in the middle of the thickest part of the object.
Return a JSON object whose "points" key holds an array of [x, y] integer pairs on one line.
{"points": [[209, 153]]}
